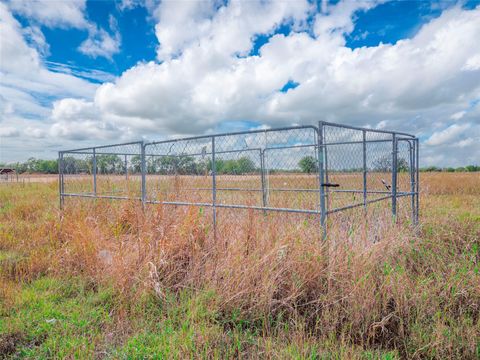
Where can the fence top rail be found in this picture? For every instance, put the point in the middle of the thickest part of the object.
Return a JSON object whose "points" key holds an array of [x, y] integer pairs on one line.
{"points": [[80, 152], [366, 129], [246, 132], [100, 147]]}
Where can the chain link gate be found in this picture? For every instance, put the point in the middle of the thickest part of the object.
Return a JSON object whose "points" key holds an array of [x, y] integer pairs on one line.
{"points": [[305, 171]]}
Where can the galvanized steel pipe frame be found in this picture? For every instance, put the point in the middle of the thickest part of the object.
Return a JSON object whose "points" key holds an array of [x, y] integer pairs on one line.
{"points": [[321, 155]]}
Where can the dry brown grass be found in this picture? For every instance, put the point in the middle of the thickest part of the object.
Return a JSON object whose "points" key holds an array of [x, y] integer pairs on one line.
{"points": [[444, 183], [373, 285]]}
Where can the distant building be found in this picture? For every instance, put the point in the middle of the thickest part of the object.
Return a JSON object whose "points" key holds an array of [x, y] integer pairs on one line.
{"points": [[7, 174]]}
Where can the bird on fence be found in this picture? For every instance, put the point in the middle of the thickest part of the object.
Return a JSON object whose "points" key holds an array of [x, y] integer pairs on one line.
{"points": [[385, 184]]}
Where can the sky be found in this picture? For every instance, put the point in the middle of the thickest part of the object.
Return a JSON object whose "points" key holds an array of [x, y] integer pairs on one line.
{"points": [[77, 73]]}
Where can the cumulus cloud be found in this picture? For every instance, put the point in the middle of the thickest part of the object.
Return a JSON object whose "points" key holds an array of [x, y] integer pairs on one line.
{"points": [[222, 30], [9, 131], [447, 135], [100, 42], [455, 144], [207, 74], [52, 13], [458, 115], [27, 84], [67, 14], [78, 120], [23, 70], [338, 19], [204, 81], [472, 63]]}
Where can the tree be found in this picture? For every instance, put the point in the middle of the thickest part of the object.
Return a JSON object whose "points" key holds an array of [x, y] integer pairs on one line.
{"points": [[308, 164], [136, 164], [46, 166], [245, 165], [384, 164], [472, 168], [186, 165], [109, 164]]}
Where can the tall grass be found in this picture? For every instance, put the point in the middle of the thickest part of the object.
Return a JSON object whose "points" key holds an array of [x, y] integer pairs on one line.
{"points": [[373, 286]]}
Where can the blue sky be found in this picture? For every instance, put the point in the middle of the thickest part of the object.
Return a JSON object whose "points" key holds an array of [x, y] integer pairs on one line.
{"points": [[137, 33], [80, 72]]}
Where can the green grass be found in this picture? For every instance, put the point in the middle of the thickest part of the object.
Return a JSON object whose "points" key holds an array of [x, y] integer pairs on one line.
{"points": [[68, 318], [55, 318], [47, 312]]}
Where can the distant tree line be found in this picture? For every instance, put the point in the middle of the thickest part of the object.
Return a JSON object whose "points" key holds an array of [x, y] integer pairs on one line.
{"points": [[33, 165], [114, 164], [468, 168], [189, 165]]}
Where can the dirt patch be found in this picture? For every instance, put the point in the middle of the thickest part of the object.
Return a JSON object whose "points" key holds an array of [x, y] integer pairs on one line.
{"points": [[9, 343]]}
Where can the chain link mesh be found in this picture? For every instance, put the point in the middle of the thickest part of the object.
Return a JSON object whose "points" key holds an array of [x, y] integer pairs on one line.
{"points": [[271, 171]]}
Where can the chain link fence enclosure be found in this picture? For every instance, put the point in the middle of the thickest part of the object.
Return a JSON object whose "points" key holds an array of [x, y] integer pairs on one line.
{"points": [[297, 175]]}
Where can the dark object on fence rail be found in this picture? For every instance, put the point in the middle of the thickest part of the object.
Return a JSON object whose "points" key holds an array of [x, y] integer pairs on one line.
{"points": [[301, 169], [330, 185]]}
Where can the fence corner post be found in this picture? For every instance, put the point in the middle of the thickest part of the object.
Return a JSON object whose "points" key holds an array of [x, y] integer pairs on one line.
{"points": [[411, 154], [214, 189], [417, 179]]}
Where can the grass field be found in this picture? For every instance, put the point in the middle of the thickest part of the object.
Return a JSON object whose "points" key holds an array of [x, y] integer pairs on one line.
{"points": [[107, 280]]}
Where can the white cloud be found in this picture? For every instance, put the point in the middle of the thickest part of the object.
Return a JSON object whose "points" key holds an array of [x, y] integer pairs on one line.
{"points": [[465, 142], [124, 5], [81, 72], [458, 115], [472, 63], [206, 76], [23, 71], [208, 83], [69, 13], [79, 120], [66, 14], [100, 43], [36, 39], [26, 82], [9, 131], [222, 30], [447, 135], [338, 19]]}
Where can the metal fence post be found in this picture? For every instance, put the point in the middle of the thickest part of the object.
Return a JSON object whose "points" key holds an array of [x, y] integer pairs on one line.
{"points": [[262, 174], [321, 179], [364, 150], [214, 188], [144, 170], [411, 154], [326, 178], [94, 170], [394, 176], [417, 180]]}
